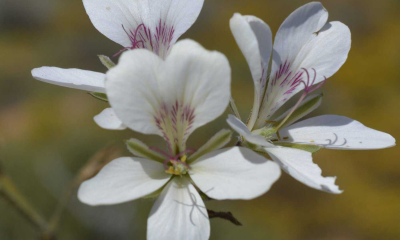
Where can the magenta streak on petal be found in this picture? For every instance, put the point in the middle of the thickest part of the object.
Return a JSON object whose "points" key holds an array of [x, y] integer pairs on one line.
{"points": [[164, 35], [175, 122], [161, 123], [289, 84]]}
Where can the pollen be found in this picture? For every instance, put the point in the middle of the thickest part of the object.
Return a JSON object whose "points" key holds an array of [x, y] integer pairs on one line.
{"points": [[172, 171], [184, 158], [179, 167]]}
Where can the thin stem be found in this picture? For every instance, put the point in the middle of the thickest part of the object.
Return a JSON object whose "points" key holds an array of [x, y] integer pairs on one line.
{"points": [[11, 193], [303, 96], [234, 108]]}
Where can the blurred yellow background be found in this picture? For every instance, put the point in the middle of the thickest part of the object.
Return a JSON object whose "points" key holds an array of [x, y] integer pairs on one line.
{"points": [[47, 133]]}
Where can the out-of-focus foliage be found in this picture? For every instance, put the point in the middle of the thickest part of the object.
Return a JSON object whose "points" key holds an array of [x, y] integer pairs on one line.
{"points": [[47, 133]]}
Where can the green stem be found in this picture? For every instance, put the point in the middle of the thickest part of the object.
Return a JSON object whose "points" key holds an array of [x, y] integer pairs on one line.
{"points": [[10, 192]]}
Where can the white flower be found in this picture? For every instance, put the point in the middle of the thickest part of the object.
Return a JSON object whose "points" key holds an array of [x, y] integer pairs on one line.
{"points": [[151, 24], [307, 51], [171, 99]]}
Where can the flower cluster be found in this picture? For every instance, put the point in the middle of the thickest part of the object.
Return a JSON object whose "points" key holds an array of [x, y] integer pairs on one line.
{"points": [[169, 88]]}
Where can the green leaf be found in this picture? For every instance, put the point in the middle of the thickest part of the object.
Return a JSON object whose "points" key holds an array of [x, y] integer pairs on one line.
{"points": [[106, 61], [305, 147], [99, 96], [304, 109], [140, 149], [218, 141]]}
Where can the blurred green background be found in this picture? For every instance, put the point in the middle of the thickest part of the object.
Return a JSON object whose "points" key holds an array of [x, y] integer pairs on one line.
{"points": [[47, 133]]}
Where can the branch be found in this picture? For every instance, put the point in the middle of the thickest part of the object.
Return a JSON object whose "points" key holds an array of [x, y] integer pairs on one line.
{"points": [[224, 215]]}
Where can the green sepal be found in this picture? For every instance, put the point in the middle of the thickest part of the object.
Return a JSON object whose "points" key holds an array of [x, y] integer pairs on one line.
{"points": [[154, 194], [251, 146], [265, 132], [204, 197], [218, 141], [302, 110], [305, 147], [140, 149], [106, 61], [100, 96]]}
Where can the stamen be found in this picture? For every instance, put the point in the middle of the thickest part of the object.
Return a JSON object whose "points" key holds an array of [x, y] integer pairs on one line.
{"points": [[184, 158], [308, 86], [134, 39], [278, 135], [120, 51], [183, 153]]}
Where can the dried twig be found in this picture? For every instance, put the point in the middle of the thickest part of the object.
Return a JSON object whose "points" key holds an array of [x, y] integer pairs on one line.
{"points": [[224, 215]]}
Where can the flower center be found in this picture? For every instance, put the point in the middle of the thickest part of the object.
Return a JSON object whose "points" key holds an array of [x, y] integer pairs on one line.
{"points": [[175, 165], [178, 167]]}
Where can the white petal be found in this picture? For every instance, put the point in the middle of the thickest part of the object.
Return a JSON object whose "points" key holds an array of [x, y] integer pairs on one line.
{"points": [[337, 132], [234, 173], [179, 214], [107, 119], [151, 24], [299, 164], [122, 180], [304, 41], [170, 98], [71, 78], [242, 129], [297, 30], [328, 51], [254, 38]]}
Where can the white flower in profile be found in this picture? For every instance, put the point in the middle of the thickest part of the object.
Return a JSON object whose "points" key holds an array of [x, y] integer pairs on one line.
{"points": [[171, 99], [150, 24], [307, 50]]}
